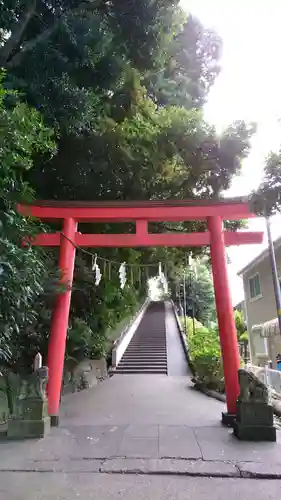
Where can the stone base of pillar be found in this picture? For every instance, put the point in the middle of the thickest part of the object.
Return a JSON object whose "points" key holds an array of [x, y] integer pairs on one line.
{"points": [[28, 429], [54, 420], [228, 419]]}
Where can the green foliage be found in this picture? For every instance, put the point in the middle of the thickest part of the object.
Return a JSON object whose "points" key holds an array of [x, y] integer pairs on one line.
{"points": [[240, 324], [97, 309], [191, 67], [122, 85], [199, 290], [244, 337], [68, 60], [5, 351], [205, 355], [22, 269], [189, 325], [81, 342], [267, 199]]}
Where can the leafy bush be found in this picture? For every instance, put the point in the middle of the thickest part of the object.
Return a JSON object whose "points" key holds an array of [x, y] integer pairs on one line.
{"points": [[83, 343], [23, 270], [240, 324], [205, 355], [96, 310], [197, 325], [244, 337]]}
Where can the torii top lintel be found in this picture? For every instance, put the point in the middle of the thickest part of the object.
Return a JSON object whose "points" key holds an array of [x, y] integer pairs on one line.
{"points": [[156, 211]]}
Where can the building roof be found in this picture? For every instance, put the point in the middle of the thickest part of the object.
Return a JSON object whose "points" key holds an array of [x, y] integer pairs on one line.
{"points": [[241, 303], [260, 258]]}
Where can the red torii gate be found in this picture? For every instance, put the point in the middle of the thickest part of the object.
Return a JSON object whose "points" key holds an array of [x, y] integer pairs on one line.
{"points": [[142, 212]]}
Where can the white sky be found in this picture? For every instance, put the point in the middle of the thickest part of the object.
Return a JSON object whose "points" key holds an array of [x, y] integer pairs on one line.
{"points": [[248, 88]]}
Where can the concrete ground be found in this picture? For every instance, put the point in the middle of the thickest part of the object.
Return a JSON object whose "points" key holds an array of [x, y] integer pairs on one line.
{"points": [[143, 424], [141, 437]]}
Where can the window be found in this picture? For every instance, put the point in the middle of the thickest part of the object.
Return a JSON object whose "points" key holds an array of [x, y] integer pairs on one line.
{"points": [[255, 286]]}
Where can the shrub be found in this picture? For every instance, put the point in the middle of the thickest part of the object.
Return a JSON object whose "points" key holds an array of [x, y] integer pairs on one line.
{"points": [[83, 343], [205, 355], [244, 337], [189, 322], [24, 271]]}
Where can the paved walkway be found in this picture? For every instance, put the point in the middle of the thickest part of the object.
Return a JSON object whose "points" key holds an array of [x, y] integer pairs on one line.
{"points": [[116, 439], [143, 425], [176, 358], [142, 421]]}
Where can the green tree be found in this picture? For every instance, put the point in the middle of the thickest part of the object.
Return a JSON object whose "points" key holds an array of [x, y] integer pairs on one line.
{"points": [[69, 60], [240, 324], [23, 270], [191, 68], [267, 199], [153, 153], [199, 290], [89, 70]]}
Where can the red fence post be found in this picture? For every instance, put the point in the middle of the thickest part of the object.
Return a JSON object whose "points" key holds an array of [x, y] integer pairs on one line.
{"points": [[228, 336], [59, 323]]}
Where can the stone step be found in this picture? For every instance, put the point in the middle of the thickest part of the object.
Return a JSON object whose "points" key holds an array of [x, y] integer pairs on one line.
{"points": [[147, 351], [142, 362], [142, 355], [146, 342], [146, 347], [148, 371]]}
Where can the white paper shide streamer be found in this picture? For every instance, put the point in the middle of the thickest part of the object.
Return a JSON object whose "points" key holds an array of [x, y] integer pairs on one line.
{"points": [[162, 278], [98, 275], [122, 275]]}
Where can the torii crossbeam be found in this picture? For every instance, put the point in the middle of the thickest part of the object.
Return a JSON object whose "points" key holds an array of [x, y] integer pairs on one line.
{"points": [[142, 212]]}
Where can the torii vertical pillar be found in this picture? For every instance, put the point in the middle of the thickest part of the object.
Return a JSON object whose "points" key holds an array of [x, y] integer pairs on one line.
{"points": [[60, 320], [227, 330]]}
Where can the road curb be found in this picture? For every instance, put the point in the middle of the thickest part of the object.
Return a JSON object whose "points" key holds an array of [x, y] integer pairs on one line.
{"points": [[198, 468], [155, 467]]}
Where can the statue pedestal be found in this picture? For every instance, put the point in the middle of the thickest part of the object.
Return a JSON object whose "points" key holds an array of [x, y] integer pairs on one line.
{"points": [[29, 417], [254, 422]]}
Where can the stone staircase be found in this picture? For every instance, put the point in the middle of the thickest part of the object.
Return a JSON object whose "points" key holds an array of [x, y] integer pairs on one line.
{"points": [[147, 351]]}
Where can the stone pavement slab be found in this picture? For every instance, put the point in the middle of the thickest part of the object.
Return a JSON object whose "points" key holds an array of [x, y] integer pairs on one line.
{"points": [[178, 442], [220, 444], [142, 431], [139, 447], [95, 441], [132, 418]]}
